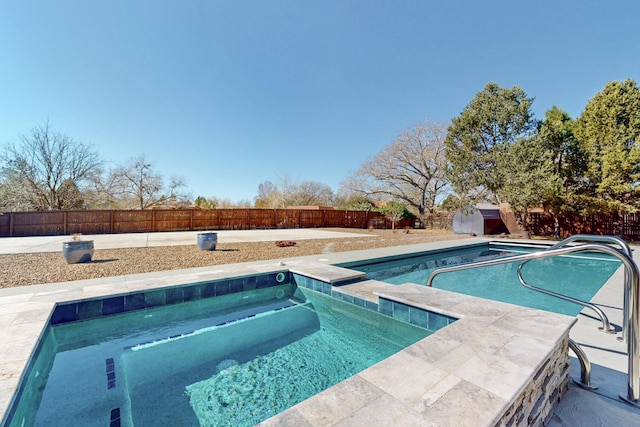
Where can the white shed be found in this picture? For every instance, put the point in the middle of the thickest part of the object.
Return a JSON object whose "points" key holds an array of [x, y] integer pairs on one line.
{"points": [[483, 219]]}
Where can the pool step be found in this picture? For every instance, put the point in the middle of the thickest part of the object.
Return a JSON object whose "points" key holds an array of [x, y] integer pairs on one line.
{"points": [[161, 371], [257, 332], [214, 323]]}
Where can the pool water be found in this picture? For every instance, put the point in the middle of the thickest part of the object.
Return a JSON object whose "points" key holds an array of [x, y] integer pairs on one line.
{"points": [[348, 339], [232, 360], [413, 268], [578, 276]]}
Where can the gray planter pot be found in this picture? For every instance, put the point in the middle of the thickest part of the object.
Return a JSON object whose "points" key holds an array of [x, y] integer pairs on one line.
{"points": [[77, 251], [207, 241]]}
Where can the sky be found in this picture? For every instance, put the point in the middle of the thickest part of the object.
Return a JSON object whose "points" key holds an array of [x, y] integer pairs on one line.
{"points": [[230, 94]]}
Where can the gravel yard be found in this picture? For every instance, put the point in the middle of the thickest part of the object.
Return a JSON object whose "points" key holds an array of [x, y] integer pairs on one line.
{"points": [[36, 268]]}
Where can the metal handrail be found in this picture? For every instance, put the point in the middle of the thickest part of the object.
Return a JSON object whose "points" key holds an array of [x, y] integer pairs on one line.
{"points": [[632, 320], [595, 238], [625, 248], [585, 367], [606, 325]]}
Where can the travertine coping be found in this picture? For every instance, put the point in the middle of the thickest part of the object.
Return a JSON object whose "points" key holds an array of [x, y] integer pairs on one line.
{"points": [[463, 375], [466, 374]]}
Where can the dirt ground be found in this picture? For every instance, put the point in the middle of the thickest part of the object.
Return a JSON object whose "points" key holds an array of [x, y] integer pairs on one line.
{"points": [[36, 268]]}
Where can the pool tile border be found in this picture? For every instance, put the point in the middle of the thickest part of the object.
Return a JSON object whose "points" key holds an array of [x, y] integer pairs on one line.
{"points": [[105, 306], [405, 313]]}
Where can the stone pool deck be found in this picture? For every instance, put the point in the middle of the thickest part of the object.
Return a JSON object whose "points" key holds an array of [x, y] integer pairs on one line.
{"points": [[484, 369]]}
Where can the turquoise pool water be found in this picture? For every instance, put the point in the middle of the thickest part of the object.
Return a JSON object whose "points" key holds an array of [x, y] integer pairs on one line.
{"points": [[579, 276], [232, 360]]}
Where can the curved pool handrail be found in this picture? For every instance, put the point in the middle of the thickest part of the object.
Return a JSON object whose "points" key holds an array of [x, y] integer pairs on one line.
{"points": [[606, 325], [633, 320], [524, 258], [624, 247], [595, 238], [521, 258]]}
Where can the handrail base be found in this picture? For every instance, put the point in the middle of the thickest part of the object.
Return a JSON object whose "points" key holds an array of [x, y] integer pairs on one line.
{"points": [[585, 386], [626, 399], [611, 330]]}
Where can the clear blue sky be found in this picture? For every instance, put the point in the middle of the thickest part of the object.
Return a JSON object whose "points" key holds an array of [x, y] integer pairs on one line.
{"points": [[229, 94]]}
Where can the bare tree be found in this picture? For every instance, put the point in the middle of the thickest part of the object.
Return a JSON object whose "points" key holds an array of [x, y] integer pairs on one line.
{"points": [[104, 192], [14, 194], [411, 169], [229, 204], [50, 167], [140, 184], [269, 196], [308, 193], [289, 193]]}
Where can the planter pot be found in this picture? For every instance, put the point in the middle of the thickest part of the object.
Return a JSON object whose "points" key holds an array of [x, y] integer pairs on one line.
{"points": [[77, 252], [207, 241]]}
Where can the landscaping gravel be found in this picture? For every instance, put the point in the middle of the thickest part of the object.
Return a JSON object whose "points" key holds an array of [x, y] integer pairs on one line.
{"points": [[37, 268]]}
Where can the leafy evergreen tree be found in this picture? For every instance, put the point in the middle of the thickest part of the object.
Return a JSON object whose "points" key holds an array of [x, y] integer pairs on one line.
{"points": [[530, 177], [357, 204], [395, 211], [569, 159], [481, 135], [609, 133]]}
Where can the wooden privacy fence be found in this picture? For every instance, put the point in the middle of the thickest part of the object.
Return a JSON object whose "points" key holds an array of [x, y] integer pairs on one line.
{"points": [[626, 226], [158, 220]]}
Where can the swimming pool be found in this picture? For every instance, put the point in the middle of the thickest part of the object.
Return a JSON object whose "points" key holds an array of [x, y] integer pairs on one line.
{"points": [[234, 359], [579, 276], [383, 393]]}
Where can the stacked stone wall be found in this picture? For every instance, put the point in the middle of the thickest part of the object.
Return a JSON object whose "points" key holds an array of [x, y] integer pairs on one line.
{"points": [[536, 403]]}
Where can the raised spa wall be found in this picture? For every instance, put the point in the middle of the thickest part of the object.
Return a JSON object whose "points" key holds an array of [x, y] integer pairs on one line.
{"points": [[487, 364], [494, 364]]}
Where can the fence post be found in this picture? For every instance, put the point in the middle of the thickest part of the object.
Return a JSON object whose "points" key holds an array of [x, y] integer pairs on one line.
{"points": [[64, 223], [11, 224]]}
